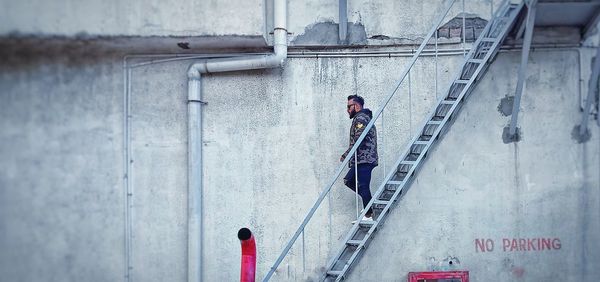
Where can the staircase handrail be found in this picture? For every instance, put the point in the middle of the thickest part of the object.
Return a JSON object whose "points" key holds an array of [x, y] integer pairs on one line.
{"points": [[342, 166]]}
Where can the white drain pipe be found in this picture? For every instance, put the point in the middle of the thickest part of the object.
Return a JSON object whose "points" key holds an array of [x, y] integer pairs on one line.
{"points": [[194, 74]]}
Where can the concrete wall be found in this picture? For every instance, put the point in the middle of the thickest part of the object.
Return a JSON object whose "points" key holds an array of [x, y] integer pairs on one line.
{"points": [[135, 18], [267, 155], [271, 142], [61, 189]]}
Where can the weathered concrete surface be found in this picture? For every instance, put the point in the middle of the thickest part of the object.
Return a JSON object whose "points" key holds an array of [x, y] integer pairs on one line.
{"points": [[266, 158], [395, 19], [326, 33], [546, 186], [140, 18], [61, 197], [268, 154], [410, 19], [47, 45], [159, 174], [385, 22], [272, 140]]}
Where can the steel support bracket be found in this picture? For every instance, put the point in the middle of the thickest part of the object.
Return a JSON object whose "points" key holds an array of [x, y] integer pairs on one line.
{"points": [[591, 98], [530, 22]]}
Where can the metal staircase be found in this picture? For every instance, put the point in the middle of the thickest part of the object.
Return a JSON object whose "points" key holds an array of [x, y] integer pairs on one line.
{"points": [[482, 52], [403, 172]]}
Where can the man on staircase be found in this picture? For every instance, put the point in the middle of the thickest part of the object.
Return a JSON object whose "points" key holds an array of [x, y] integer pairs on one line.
{"points": [[366, 154]]}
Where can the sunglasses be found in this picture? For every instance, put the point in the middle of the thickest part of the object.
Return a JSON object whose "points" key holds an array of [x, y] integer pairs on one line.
{"points": [[349, 106]]}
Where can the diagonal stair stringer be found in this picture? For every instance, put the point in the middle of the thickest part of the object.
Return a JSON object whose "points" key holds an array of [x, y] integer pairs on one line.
{"points": [[439, 121]]}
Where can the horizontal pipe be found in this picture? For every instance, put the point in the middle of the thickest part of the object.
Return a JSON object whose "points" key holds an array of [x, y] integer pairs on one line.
{"points": [[342, 54], [192, 56], [244, 63], [387, 55]]}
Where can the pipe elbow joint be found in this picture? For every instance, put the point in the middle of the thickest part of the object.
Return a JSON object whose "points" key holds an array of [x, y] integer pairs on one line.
{"points": [[248, 267], [195, 70], [280, 59], [280, 55], [280, 46]]}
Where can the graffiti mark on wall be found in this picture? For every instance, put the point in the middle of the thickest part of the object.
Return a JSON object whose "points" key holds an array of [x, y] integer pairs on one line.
{"points": [[517, 245]]}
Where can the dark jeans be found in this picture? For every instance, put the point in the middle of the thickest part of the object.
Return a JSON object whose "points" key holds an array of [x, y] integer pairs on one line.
{"points": [[364, 183]]}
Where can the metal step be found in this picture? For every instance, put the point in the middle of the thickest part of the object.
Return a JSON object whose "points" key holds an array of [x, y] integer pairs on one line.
{"points": [[380, 202], [367, 222], [354, 242], [475, 61]]}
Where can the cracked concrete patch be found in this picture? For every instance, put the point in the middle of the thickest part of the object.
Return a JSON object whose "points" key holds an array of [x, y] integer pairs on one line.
{"points": [[506, 105], [327, 33], [575, 135]]}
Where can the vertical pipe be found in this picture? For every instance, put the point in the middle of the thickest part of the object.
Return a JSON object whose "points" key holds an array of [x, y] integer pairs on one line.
{"points": [[194, 180], [410, 104], [464, 30], [303, 253], [356, 183], [436, 65], [280, 14], [126, 165], [130, 174], [382, 141], [343, 25]]}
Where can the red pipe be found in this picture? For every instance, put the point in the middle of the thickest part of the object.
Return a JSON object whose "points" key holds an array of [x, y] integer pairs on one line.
{"points": [[248, 271]]}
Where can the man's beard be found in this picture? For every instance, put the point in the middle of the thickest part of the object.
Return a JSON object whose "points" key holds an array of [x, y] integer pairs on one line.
{"points": [[352, 114]]}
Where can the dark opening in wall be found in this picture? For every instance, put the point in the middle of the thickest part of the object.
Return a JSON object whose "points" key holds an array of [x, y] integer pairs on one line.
{"points": [[454, 28]]}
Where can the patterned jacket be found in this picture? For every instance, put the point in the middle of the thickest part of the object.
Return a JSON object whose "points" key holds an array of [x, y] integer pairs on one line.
{"points": [[367, 151]]}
